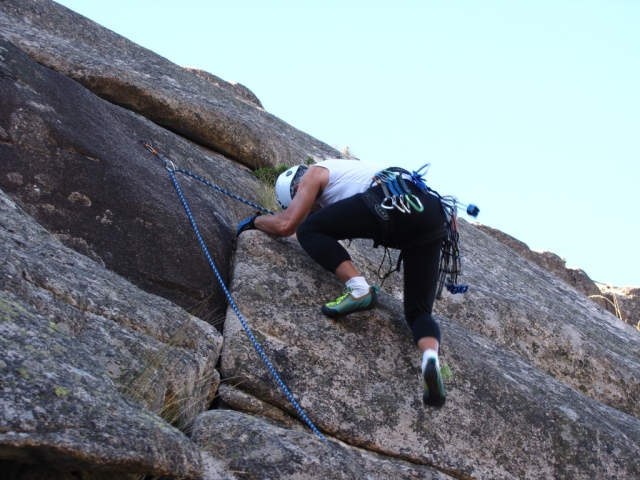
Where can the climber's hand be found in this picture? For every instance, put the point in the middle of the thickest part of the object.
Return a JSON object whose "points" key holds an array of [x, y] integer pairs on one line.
{"points": [[247, 224]]}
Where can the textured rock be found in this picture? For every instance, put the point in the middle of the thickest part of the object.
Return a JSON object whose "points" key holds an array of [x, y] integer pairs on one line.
{"points": [[241, 443], [623, 302], [236, 399], [180, 100], [358, 379], [524, 308], [551, 262], [157, 353], [516, 304], [234, 88], [75, 163], [58, 406], [81, 345]]}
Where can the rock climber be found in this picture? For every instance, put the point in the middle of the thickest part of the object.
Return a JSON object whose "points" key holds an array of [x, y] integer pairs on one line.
{"points": [[341, 199]]}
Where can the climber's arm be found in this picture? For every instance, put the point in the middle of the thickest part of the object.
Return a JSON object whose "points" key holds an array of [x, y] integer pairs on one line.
{"points": [[285, 224]]}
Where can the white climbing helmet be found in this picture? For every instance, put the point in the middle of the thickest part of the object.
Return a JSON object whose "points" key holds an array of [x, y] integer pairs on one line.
{"points": [[286, 184]]}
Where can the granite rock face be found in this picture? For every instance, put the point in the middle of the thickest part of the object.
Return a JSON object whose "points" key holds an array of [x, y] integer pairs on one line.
{"points": [[359, 378], [624, 302], [214, 114], [551, 262], [76, 164], [112, 361], [90, 363], [526, 309], [242, 442]]}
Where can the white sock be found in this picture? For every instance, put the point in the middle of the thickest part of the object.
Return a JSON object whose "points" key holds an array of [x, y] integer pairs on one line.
{"points": [[427, 355], [359, 286]]}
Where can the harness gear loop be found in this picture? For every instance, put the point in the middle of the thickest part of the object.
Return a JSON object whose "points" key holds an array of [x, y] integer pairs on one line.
{"points": [[396, 191]]}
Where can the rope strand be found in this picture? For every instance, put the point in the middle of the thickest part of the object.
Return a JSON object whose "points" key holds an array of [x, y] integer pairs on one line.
{"points": [[212, 264]]}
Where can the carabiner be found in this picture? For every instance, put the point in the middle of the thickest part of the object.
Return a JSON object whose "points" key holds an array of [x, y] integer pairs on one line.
{"points": [[417, 208], [166, 161], [400, 205], [393, 203]]}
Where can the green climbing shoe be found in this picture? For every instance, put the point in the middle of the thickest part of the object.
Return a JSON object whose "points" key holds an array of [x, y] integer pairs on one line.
{"points": [[346, 303], [433, 393]]}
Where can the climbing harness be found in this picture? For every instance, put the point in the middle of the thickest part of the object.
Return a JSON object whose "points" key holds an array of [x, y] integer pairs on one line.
{"points": [[171, 168], [398, 195]]}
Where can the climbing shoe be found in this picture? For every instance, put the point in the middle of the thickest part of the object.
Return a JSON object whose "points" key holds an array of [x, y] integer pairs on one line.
{"points": [[433, 393], [346, 303]]}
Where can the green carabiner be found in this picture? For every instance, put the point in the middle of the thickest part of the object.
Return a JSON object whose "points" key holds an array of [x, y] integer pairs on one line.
{"points": [[417, 208]]}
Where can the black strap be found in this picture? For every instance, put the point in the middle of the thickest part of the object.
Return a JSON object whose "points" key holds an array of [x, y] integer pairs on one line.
{"points": [[374, 202]]}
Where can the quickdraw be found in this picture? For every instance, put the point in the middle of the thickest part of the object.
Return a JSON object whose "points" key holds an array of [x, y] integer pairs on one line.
{"points": [[396, 192]]}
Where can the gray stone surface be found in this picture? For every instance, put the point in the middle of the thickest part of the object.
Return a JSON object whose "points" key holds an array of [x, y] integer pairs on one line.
{"points": [[75, 163], [524, 308], [209, 113], [624, 302], [158, 354], [358, 379], [236, 89], [58, 405], [551, 262], [62, 399], [110, 346], [254, 448]]}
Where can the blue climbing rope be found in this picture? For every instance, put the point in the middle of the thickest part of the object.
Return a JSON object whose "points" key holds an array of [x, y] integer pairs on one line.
{"points": [[222, 190], [171, 168]]}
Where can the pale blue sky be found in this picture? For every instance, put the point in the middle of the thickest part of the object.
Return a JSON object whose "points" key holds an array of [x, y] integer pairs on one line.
{"points": [[529, 109]]}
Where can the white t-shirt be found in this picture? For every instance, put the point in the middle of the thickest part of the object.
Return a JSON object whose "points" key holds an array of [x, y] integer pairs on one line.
{"points": [[346, 178]]}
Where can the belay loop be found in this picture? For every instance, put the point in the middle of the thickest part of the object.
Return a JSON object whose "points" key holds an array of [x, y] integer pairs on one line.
{"points": [[232, 304]]}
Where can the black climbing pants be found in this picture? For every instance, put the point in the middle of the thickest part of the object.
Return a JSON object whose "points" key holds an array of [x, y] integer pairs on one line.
{"points": [[419, 236]]}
